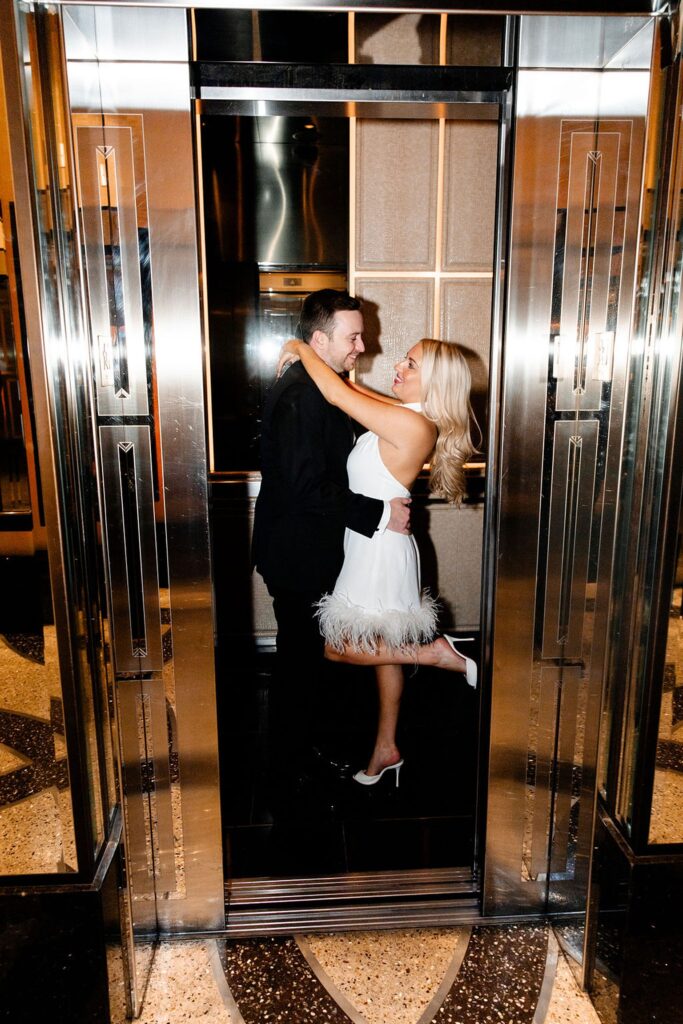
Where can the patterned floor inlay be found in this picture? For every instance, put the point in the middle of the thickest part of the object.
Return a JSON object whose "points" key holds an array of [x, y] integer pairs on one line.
{"points": [[28, 645], [389, 976], [270, 981], [500, 978], [32, 741], [412, 977]]}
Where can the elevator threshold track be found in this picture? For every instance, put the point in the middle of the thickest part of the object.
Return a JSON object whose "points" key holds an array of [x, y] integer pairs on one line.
{"points": [[362, 900]]}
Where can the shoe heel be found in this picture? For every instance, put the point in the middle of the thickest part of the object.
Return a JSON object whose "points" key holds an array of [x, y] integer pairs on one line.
{"points": [[398, 772], [471, 672]]}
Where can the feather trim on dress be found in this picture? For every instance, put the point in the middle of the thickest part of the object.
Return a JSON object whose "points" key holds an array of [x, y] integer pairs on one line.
{"points": [[348, 625]]}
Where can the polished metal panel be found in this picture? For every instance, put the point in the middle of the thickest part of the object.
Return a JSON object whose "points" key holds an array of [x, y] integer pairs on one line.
{"points": [[641, 7], [400, 109], [642, 709], [584, 42], [48, 844], [588, 255], [550, 809], [131, 546], [99, 32], [135, 111], [299, 174], [578, 165], [108, 195], [147, 791], [571, 511]]}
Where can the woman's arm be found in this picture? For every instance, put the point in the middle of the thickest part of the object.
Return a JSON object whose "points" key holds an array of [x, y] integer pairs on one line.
{"points": [[397, 426], [287, 357], [389, 399]]}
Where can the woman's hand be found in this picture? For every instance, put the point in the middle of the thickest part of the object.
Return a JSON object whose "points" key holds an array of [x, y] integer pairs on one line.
{"points": [[288, 354]]}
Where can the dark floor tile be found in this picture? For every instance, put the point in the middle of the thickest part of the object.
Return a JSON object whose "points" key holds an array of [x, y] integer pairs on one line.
{"points": [[500, 977], [297, 849], [404, 844], [270, 981], [33, 739], [269, 776]]}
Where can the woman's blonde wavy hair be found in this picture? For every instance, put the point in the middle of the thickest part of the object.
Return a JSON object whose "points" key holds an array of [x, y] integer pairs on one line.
{"points": [[446, 385]]}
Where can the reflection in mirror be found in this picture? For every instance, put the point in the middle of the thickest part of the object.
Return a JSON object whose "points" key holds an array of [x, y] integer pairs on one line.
{"points": [[36, 818], [666, 821]]}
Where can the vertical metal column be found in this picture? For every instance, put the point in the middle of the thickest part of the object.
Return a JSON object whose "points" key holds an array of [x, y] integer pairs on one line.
{"points": [[129, 89], [575, 205]]}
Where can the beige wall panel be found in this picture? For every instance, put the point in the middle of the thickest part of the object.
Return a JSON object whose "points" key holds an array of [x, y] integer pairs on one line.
{"points": [[466, 320], [450, 543], [470, 195], [396, 172], [397, 314], [397, 39], [474, 39]]}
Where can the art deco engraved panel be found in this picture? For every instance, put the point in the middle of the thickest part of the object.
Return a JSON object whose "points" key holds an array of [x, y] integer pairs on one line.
{"points": [[572, 496], [591, 209], [110, 192], [574, 243], [131, 547], [133, 144]]}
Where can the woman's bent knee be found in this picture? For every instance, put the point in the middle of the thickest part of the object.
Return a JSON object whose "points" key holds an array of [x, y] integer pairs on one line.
{"points": [[331, 654]]}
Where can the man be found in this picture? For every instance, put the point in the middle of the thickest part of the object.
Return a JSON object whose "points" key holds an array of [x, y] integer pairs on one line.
{"points": [[304, 506]]}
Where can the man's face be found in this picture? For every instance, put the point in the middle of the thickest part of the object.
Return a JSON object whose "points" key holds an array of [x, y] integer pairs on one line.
{"points": [[342, 346]]}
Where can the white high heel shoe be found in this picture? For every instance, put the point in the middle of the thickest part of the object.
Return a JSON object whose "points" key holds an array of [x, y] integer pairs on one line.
{"points": [[470, 666], [371, 780]]}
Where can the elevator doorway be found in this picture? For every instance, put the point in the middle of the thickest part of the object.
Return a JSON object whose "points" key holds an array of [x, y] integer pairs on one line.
{"points": [[277, 225], [560, 269]]}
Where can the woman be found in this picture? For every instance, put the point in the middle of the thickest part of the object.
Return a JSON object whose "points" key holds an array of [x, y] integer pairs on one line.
{"points": [[376, 614]]}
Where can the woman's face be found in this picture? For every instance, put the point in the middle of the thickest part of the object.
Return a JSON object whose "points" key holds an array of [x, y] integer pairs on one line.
{"points": [[408, 378]]}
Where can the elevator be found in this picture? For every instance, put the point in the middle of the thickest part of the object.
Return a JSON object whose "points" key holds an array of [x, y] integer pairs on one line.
{"points": [[181, 178]]}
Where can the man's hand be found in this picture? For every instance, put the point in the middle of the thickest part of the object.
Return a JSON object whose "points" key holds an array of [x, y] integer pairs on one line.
{"points": [[399, 520]]}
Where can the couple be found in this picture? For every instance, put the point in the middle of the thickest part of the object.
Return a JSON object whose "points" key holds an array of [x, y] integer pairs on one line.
{"points": [[331, 536]]}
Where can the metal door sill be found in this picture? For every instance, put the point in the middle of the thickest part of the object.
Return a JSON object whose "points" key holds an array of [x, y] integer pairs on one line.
{"points": [[353, 887], [244, 922], [355, 901]]}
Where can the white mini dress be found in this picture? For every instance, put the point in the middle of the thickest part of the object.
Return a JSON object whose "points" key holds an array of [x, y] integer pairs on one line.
{"points": [[377, 597]]}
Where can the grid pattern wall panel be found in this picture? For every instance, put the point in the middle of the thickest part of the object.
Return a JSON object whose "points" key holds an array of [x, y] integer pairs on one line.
{"points": [[466, 320], [392, 39], [396, 194], [470, 195], [397, 314]]}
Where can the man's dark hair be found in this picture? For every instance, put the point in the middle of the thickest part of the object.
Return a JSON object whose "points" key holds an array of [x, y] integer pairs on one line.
{"points": [[319, 308]]}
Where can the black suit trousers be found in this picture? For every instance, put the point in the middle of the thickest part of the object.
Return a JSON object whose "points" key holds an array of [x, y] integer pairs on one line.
{"points": [[300, 673]]}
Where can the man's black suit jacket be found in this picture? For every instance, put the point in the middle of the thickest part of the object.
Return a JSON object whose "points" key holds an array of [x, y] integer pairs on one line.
{"points": [[305, 502]]}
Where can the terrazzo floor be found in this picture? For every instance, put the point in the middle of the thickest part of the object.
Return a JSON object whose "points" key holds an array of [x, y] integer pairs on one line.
{"points": [[493, 975]]}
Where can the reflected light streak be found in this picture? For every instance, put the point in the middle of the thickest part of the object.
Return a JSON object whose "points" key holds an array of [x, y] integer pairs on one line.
{"points": [[275, 164]]}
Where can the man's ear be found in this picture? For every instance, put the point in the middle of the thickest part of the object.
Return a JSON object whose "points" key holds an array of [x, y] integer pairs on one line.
{"points": [[319, 342]]}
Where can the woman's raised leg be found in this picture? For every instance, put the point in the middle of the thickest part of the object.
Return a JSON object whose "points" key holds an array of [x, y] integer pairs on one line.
{"points": [[389, 691], [438, 654]]}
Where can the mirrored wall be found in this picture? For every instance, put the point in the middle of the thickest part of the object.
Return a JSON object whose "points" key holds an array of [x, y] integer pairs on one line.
{"points": [[36, 812]]}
